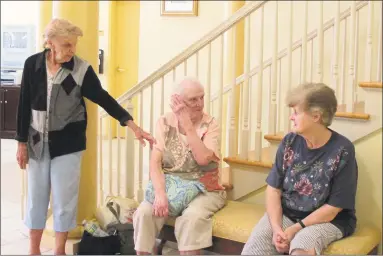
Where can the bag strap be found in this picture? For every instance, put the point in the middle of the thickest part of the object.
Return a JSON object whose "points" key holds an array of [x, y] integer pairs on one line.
{"points": [[116, 214]]}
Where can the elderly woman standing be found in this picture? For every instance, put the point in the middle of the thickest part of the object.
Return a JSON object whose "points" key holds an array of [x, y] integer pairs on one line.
{"points": [[188, 140], [310, 197], [51, 129]]}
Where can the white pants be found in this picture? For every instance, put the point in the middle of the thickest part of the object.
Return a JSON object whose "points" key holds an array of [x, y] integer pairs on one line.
{"points": [[193, 229]]}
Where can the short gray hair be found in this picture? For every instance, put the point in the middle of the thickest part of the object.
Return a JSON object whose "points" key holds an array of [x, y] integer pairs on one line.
{"points": [[179, 85], [314, 97], [60, 27]]}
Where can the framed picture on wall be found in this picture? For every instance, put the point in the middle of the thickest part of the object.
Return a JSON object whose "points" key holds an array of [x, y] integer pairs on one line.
{"points": [[179, 8]]}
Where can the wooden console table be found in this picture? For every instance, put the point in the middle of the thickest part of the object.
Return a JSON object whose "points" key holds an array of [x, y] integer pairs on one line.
{"points": [[9, 99]]}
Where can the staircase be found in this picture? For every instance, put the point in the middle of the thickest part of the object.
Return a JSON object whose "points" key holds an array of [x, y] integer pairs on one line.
{"points": [[345, 52]]}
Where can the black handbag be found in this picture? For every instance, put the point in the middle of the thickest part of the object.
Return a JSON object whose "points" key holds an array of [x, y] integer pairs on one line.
{"points": [[124, 231], [92, 245]]}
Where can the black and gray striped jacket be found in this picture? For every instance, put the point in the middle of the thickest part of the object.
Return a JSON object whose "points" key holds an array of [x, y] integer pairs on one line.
{"points": [[67, 111]]}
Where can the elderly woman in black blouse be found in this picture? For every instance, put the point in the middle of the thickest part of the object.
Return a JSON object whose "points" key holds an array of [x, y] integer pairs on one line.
{"points": [[51, 128]]}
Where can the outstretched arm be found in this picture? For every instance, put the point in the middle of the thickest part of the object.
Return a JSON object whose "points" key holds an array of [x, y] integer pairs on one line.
{"points": [[92, 89]]}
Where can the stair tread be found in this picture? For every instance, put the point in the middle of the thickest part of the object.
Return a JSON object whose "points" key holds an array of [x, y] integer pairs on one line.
{"points": [[371, 85], [238, 160]]}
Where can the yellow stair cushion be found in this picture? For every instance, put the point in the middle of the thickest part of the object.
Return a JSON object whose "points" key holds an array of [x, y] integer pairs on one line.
{"points": [[236, 221]]}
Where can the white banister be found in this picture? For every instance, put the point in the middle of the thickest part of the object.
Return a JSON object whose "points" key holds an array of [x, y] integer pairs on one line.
{"points": [[370, 18], [320, 43], [140, 191], [274, 76], [244, 151], [233, 97], [110, 158], [129, 171], [208, 82], [151, 122], [196, 64], [343, 77], [351, 56], [304, 45], [356, 54], [258, 131], [379, 73], [220, 82], [335, 78], [118, 160], [186, 67], [101, 167], [162, 95], [286, 123]]}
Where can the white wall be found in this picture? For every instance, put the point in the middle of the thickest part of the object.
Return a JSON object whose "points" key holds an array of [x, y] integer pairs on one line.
{"points": [[19, 12], [163, 37]]}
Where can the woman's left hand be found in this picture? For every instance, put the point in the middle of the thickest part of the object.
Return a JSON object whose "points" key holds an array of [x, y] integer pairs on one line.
{"points": [[179, 108]]}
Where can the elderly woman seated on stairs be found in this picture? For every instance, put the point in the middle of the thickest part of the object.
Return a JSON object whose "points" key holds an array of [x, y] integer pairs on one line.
{"points": [[187, 150], [310, 197]]}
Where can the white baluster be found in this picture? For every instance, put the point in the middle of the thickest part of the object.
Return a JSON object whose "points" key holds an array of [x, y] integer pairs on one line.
{"points": [[379, 73], [220, 83], [140, 191], [311, 41], [208, 84], [186, 67], [335, 78], [274, 76], [344, 72], [129, 171], [356, 51], [151, 109], [101, 167], [246, 93], [368, 60], [118, 160], [286, 123], [258, 132], [196, 64], [320, 43], [162, 95], [351, 74], [233, 99], [110, 158], [304, 45]]}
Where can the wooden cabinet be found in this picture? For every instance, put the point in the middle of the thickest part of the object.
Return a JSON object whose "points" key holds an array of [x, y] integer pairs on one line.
{"points": [[9, 99]]}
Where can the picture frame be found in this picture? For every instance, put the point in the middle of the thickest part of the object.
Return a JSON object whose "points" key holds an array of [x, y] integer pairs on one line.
{"points": [[179, 8]]}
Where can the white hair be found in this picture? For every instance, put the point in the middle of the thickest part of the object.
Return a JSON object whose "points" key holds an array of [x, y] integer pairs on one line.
{"points": [[60, 27], [179, 86]]}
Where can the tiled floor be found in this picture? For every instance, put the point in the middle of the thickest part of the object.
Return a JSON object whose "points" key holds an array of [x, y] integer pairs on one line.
{"points": [[14, 235]]}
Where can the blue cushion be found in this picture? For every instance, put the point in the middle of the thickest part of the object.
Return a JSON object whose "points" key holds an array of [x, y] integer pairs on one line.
{"points": [[180, 193]]}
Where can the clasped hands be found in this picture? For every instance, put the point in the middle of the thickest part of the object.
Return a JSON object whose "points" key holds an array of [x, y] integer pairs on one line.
{"points": [[282, 239]]}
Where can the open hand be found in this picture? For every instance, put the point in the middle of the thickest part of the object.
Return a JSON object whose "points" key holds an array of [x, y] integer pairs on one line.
{"points": [[179, 108], [141, 135]]}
